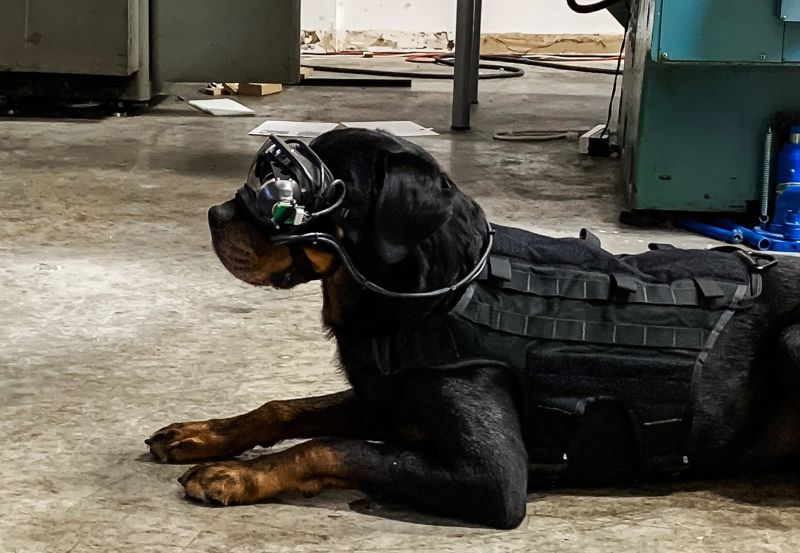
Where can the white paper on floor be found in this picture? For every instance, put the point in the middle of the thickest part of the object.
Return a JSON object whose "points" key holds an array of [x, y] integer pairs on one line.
{"points": [[397, 128], [303, 129], [221, 106]]}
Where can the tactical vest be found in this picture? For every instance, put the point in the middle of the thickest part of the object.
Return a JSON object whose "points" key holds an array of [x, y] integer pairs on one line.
{"points": [[581, 325]]}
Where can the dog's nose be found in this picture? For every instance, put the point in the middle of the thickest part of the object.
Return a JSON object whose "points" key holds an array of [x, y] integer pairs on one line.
{"points": [[221, 215]]}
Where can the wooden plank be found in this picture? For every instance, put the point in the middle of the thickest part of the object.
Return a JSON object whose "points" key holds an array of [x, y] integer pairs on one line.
{"points": [[259, 89], [212, 90]]}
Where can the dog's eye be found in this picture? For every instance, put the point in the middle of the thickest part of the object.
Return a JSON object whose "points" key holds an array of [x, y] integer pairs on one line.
{"points": [[445, 183]]}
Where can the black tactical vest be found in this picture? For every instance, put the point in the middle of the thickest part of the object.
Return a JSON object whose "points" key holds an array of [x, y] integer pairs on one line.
{"points": [[581, 325]]}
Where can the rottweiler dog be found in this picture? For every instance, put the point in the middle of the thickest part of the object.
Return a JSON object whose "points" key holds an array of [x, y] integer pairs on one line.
{"points": [[456, 442]]}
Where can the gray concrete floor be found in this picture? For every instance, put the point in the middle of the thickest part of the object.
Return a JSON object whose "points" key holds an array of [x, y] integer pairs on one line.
{"points": [[116, 318]]}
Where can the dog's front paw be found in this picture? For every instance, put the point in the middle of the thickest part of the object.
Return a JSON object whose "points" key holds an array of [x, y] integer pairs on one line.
{"points": [[226, 483], [190, 442]]}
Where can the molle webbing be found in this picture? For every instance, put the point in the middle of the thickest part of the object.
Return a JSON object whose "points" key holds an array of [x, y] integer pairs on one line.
{"points": [[587, 329], [572, 330], [582, 285], [577, 306]]}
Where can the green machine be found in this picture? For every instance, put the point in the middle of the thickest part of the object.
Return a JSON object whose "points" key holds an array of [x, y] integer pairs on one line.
{"points": [[704, 79]]}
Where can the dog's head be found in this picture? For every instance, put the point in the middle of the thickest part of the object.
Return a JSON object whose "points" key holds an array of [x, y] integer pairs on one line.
{"points": [[397, 201]]}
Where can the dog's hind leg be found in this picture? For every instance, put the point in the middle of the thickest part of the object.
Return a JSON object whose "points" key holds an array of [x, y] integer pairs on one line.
{"points": [[335, 415], [777, 441], [468, 461], [788, 362]]}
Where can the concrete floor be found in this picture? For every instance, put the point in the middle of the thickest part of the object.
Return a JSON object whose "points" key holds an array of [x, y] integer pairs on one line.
{"points": [[116, 318]]}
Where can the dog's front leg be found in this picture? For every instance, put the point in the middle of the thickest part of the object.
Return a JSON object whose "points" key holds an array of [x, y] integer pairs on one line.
{"points": [[468, 462], [335, 415], [472, 490]]}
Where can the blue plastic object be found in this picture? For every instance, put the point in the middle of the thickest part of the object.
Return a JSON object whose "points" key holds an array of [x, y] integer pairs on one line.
{"points": [[750, 237], [786, 218], [789, 159], [783, 232], [731, 236]]}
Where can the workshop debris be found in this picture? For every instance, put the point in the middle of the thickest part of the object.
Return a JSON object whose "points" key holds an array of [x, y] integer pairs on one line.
{"points": [[221, 106], [242, 89], [397, 128], [305, 72], [259, 89], [297, 129], [230, 88], [310, 129], [213, 89]]}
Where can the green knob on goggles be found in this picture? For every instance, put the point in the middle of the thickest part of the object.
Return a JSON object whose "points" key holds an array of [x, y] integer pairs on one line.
{"points": [[287, 212]]}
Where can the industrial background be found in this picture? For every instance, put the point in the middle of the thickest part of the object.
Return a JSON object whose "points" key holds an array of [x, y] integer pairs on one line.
{"points": [[668, 121]]}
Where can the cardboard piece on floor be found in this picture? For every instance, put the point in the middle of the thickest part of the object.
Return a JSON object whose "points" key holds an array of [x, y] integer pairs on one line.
{"points": [[297, 129], [222, 106], [212, 91], [397, 128], [230, 88], [259, 89]]}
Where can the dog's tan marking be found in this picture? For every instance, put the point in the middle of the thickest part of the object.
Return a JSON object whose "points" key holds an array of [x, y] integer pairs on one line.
{"points": [[250, 256], [307, 469], [332, 414], [194, 441], [320, 261]]}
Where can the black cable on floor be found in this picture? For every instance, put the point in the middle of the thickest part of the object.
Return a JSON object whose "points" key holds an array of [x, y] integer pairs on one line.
{"points": [[552, 64], [536, 135], [614, 86], [503, 71]]}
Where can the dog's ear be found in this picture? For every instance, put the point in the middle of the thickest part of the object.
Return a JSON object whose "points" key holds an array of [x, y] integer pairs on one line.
{"points": [[412, 204]]}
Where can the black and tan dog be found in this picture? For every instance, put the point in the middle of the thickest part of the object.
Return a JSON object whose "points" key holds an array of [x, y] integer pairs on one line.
{"points": [[453, 442]]}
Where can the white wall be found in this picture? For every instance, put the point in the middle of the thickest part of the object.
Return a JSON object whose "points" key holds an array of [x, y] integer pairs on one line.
{"points": [[543, 17], [397, 15], [499, 16], [318, 15]]}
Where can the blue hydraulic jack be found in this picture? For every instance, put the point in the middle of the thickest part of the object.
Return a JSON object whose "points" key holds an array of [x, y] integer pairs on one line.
{"points": [[783, 233]]}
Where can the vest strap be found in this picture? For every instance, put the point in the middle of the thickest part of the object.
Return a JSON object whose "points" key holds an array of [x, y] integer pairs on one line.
{"points": [[589, 237], [551, 328], [579, 285]]}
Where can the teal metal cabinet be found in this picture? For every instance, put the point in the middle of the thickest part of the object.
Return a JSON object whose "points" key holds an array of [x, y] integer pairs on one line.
{"points": [[790, 10], [719, 31], [791, 43], [697, 99]]}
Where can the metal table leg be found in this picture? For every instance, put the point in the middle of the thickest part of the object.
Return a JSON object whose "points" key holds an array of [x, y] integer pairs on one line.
{"points": [[462, 93], [476, 51]]}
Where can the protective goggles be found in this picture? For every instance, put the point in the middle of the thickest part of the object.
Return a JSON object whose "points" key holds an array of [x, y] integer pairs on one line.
{"points": [[288, 186]]}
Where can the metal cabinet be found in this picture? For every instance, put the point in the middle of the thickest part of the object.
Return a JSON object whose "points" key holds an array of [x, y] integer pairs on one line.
{"points": [[53, 36], [719, 31], [224, 40], [128, 49], [692, 122]]}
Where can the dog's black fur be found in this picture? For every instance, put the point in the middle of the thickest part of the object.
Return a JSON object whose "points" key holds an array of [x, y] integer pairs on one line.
{"points": [[455, 442]]}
